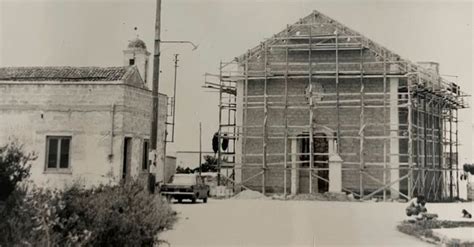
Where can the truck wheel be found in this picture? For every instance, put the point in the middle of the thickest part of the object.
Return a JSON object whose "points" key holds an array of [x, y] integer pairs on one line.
{"points": [[180, 200], [204, 200], [195, 196]]}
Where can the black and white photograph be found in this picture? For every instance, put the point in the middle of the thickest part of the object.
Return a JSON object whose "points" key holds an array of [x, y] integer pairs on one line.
{"points": [[215, 123]]}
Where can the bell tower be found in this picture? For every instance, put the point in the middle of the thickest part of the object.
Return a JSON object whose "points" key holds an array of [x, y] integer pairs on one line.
{"points": [[137, 54]]}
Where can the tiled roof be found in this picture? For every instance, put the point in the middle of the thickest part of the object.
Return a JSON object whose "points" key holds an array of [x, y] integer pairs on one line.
{"points": [[64, 73]]}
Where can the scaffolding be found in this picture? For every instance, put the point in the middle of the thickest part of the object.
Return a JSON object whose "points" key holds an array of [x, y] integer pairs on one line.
{"points": [[393, 122]]}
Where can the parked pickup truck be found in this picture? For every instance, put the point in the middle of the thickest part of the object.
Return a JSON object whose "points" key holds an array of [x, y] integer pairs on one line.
{"points": [[185, 186]]}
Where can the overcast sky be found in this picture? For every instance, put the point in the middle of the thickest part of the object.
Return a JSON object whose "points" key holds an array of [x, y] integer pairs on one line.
{"points": [[94, 33]]}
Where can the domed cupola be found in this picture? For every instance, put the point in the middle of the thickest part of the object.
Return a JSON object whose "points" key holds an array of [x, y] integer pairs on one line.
{"points": [[137, 54], [136, 44]]}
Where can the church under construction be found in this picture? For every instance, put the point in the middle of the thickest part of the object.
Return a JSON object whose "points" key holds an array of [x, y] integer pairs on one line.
{"points": [[319, 107]]}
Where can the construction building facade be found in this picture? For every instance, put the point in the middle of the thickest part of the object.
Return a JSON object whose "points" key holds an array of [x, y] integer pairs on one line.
{"points": [[319, 107]]}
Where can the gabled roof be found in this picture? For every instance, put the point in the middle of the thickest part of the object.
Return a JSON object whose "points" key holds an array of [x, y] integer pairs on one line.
{"points": [[332, 27], [66, 74], [317, 18]]}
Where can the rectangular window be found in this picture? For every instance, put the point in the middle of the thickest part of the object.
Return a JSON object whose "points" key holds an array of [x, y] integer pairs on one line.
{"points": [[146, 150], [57, 152], [131, 61], [52, 153], [146, 71]]}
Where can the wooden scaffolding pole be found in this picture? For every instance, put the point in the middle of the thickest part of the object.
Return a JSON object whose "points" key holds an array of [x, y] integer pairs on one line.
{"points": [[338, 138], [245, 114], [285, 161], [384, 123], [457, 153], [450, 153], [386, 186], [311, 115], [440, 148], [410, 137], [418, 139], [361, 126], [219, 132], [425, 143], [265, 119], [433, 143], [443, 174]]}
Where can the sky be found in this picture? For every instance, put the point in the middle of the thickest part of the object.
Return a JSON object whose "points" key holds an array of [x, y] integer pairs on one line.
{"points": [[94, 33]]}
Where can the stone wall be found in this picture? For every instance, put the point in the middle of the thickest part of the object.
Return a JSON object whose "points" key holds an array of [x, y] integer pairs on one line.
{"points": [[85, 111]]}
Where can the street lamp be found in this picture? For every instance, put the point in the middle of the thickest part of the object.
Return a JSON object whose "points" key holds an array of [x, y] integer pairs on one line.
{"points": [[180, 42]]}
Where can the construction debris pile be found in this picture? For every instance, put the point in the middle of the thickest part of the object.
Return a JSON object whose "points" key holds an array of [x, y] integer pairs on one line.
{"points": [[323, 197], [250, 194]]}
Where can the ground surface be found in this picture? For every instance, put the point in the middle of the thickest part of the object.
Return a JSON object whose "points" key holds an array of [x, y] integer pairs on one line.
{"points": [[297, 223], [463, 234]]}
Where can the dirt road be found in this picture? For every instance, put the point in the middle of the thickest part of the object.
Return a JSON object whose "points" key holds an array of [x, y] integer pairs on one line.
{"points": [[289, 223]]}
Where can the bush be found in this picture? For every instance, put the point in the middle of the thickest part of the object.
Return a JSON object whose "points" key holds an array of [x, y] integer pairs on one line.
{"points": [[123, 215], [126, 215], [14, 167], [120, 215], [30, 217]]}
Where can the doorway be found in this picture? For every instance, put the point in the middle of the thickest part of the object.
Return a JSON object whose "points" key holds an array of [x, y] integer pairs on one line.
{"points": [[321, 159], [127, 157]]}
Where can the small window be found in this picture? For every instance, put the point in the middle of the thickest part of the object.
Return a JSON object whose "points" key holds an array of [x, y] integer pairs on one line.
{"points": [[57, 152], [131, 61], [146, 150], [146, 71]]}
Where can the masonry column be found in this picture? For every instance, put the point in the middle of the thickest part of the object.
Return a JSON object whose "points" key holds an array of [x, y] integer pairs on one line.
{"points": [[335, 173], [294, 167], [394, 141]]}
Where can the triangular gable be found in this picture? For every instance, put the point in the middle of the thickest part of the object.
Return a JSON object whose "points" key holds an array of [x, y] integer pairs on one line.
{"points": [[324, 25], [133, 77]]}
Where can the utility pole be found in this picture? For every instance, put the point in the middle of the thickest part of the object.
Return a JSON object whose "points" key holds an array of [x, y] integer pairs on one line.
{"points": [[156, 85], [156, 82], [174, 94], [173, 113]]}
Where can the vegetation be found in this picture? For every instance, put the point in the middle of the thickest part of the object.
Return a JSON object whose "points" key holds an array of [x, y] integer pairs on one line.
{"points": [[182, 170], [209, 165], [14, 167], [110, 215], [423, 229], [125, 215]]}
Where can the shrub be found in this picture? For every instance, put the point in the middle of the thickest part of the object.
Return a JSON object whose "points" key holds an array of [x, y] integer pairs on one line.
{"points": [[125, 215], [14, 167], [122, 215], [30, 217]]}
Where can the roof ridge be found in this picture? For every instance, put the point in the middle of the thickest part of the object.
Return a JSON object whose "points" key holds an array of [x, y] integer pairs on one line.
{"points": [[67, 66], [339, 25], [65, 73]]}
